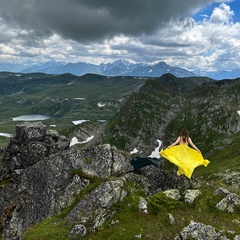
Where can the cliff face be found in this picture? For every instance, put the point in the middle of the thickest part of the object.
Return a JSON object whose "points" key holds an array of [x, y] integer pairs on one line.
{"points": [[37, 178], [40, 175]]}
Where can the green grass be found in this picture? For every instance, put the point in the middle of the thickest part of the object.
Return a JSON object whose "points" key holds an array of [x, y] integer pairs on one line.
{"points": [[129, 222], [52, 228], [156, 224]]}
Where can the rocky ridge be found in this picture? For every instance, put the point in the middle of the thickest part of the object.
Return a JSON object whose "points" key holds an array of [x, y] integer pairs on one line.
{"points": [[41, 175]]}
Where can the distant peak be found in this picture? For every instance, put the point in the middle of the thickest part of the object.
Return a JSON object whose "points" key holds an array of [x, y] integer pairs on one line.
{"points": [[121, 62]]}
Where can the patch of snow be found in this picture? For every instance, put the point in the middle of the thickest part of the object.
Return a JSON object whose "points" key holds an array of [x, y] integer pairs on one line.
{"points": [[79, 98], [134, 151], [75, 141], [101, 105], [102, 121], [155, 153], [6, 135], [238, 112], [150, 70], [52, 125], [79, 122]]}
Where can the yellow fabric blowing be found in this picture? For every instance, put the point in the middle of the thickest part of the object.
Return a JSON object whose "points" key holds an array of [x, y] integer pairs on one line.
{"points": [[185, 158]]}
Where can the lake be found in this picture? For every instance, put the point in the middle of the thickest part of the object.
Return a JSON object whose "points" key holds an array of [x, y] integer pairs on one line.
{"points": [[31, 117]]}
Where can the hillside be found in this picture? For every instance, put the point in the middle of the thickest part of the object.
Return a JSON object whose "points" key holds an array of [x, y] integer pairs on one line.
{"points": [[149, 114], [64, 98]]}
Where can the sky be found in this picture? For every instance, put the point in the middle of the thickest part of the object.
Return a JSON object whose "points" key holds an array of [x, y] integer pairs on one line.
{"points": [[191, 34]]}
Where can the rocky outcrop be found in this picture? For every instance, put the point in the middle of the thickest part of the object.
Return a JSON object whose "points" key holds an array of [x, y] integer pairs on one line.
{"points": [[155, 179], [197, 230], [93, 210], [39, 175], [229, 202]]}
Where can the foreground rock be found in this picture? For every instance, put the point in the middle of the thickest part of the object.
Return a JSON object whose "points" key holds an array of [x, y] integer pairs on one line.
{"points": [[40, 175], [197, 230], [37, 175], [94, 209]]}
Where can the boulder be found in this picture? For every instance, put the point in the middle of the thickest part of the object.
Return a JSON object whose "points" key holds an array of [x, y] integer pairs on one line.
{"points": [[142, 205], [173, 194], [229, 202], [156, 179], [94, 209], [191, 194], [196, 230]]}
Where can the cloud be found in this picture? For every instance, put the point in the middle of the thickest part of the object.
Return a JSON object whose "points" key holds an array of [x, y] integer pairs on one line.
{"points": [[222, 14], [137, 30], [92, 20]]}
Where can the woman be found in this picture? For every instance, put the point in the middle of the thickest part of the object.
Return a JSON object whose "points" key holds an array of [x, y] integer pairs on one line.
{"points": [[186, 158]]}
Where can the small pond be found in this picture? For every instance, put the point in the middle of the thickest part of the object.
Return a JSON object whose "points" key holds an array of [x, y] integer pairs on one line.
{"points": [[31, 117]]}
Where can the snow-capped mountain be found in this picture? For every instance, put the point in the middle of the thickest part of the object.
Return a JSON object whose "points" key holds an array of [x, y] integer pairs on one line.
{"points": [[119, 67]]}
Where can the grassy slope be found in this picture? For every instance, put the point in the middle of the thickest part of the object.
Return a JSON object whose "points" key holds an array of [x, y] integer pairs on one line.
{"points": [[54, 95], [128, 221]]}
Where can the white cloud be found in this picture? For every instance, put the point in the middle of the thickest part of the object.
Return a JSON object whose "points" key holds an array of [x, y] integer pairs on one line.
{"points": [[222, 14], [209, 44]]}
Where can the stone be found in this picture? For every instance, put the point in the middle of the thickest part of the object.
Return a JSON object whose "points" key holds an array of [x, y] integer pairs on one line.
{"points": [[96, 205], [171, 218], [155, 179], [196, 230], [228, 203], [221, 191], [173, 194], [78, 230], [44, 175], [190, 195], [142, 205]]}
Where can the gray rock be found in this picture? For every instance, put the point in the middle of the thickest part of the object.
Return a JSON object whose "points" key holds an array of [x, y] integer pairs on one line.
{"points": [[171, 218], [173, 193], [228, 203], [190, 195], [142, 205], [96, 205], [78, 231], [103, 161], [198, 231], [221, 191], [155, 179], [39, 168]]}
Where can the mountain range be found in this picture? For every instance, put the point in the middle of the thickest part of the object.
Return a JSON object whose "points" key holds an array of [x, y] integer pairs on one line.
{"points": [[52, 190], [117, 68]]}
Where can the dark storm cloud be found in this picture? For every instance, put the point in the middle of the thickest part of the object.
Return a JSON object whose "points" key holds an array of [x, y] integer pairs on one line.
{"points": [[90, 20]]}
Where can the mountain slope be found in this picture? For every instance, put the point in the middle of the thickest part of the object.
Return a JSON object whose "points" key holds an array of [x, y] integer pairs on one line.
{"points": [[146, 115], [65, 98], [163, 107]]}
